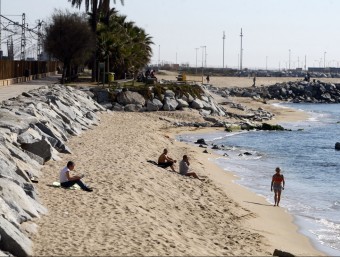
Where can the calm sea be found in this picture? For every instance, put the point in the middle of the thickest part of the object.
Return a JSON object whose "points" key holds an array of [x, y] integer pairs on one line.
{"points": [[308, 161]]}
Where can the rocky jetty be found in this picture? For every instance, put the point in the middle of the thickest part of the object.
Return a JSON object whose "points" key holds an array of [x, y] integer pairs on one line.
{"points": [[130, 101], [303, 91], [34, 128]]}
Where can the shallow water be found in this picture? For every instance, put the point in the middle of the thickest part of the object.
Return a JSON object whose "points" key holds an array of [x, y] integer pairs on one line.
{"points": [[308, 160]]}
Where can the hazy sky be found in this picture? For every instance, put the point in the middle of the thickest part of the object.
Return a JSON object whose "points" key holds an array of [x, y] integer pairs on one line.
{"points": [[270, 27]]}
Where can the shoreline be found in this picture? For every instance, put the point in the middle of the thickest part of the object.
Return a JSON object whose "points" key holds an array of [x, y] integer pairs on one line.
{"points": [[261, 221], [287, 238]]}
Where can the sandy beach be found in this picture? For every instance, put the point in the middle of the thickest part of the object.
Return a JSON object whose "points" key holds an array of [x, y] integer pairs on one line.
{"points": [[137, 208]]}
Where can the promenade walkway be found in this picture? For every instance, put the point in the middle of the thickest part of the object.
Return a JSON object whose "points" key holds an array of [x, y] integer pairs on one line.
{"points": [[14, 90]]}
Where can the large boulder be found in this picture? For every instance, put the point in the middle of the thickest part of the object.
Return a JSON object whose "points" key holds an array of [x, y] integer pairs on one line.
{"points": [[197, 104], [129, 97], [170, 104], [169, 93], [133, 108], [182, 104], [13, 240], [41, 148], [16, 123], [30, 136], [154, 105]]}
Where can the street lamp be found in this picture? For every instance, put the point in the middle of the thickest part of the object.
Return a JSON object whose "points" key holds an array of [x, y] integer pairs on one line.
{"points": [[324, 60], [196, 58], [289, 58]]}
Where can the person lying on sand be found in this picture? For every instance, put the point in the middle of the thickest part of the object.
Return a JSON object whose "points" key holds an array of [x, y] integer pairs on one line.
{"points": [[165, 161], [184, 168], [67, 181], [278, 183]]}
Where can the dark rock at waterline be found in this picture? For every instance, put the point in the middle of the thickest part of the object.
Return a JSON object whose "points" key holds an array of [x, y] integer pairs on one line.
{"points": [[205, 151], [201, 141], [247, 153], [282, 253], [216, 147], [337, 146]]}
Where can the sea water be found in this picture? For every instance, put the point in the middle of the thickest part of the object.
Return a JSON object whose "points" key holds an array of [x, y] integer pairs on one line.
{"points": [[309, 163]]}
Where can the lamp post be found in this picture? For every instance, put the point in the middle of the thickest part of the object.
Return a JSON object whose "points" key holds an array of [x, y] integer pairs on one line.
{"points": [[324, 60], [266, 63], [289, 58], [203, 47], [196, 58]]}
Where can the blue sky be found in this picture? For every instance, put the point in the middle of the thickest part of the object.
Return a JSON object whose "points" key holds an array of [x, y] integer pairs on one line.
{"points": [[270, 27]]}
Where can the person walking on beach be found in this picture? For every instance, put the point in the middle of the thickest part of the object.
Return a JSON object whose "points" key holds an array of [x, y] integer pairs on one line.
{"points": [[66, 180], [164, 161], [208, 79], [254, 81], [184, 168], [278, 184]]}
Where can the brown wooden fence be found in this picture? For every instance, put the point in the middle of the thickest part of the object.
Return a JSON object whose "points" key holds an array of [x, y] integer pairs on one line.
{"points": [[16, 69]]}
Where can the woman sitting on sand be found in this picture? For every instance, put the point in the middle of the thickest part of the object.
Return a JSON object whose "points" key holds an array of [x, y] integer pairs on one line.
{"points": [[278, 183], [184, 168]]}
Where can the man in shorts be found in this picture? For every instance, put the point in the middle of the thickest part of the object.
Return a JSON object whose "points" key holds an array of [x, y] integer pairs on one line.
{"points": [[278, 183], [164, 161]]}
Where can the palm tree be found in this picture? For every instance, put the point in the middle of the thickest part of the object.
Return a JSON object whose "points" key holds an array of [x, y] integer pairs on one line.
{"points": [[97, 6], [128, 46]]}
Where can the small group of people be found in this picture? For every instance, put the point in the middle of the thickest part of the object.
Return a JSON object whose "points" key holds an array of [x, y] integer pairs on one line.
{"points": [[164, 161]]}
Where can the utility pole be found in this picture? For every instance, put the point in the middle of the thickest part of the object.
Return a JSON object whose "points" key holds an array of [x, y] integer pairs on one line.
{"points": [[205, 56], [39, 40], [203, 61], [196, 58], [266, 63], [159, 55], [23, 37], [241, 52], [305, 62], [289, 59], [223, 47], [324, 60]]}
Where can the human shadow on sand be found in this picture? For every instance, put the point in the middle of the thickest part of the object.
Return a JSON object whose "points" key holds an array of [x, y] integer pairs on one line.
{"points": [[258, 203]]}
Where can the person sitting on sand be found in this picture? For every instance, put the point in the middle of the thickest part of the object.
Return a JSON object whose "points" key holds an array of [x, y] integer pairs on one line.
{"points": [[67, 181], [278, 183], [164, 161], [184, 168]]}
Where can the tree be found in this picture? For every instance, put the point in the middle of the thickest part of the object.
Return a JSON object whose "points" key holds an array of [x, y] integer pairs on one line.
{"points": [[127, 46], [97, 7], [69, 39]]}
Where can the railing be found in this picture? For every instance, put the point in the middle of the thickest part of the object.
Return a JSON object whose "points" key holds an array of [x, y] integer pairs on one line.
{"points": [[17, 69]]}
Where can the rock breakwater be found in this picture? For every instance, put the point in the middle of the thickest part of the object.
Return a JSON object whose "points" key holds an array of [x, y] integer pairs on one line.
{"points": [[34, 128]]}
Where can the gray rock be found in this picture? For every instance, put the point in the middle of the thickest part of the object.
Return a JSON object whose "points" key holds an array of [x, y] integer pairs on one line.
{"points": [[170, 104], [133, 107], [16, 123], [128, 97], [41, 148], [182, 104], [13, 240], [197, 104], [30, 136], [117, 107], [154, 105], [169, 93]]}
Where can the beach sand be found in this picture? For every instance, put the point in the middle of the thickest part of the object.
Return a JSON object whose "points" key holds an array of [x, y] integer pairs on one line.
{"points": [[137, 208]]}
